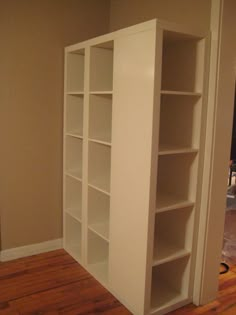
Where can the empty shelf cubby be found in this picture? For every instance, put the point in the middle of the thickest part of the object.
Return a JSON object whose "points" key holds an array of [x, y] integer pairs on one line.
{"points": [[72, 236], [99, 166], [98, 254], [98, 212], [182, 62], [176, 180], [101, 67], [172, 240], [75, 72], [100, 117], [74, 115], [73, 197], [180, 121], [74, 156], [170, 283]]}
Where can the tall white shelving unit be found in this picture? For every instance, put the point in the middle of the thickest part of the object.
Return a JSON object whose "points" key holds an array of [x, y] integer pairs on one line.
{"points": [[132, 146]]}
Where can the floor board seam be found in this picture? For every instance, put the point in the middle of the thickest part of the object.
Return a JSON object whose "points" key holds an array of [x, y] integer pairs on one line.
{"points": [[44, 290]]}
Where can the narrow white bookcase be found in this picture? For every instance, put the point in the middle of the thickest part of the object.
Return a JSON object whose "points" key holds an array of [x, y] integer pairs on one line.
{"points": [[133, 134]]}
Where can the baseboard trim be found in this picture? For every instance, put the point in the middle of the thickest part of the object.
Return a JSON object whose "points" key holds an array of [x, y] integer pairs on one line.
{"points": [[29, 250]]}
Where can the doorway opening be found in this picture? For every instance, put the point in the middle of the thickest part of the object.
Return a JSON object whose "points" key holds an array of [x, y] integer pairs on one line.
{"points": [[229, 242]]}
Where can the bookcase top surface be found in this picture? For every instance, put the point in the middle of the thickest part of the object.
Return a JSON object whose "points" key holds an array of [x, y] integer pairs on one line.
{"points": [[169, 27]]}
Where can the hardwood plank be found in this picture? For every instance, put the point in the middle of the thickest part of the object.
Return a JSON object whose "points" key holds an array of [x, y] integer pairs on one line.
{"points": [[31, 262], [54, 283], [77, 296], [31, 277], [225, 304]]}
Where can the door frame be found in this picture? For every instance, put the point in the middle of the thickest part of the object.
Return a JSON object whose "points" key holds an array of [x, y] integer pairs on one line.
{"points": [[219, 120]]}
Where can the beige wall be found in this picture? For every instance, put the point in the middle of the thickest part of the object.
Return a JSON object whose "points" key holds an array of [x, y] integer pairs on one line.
{"points": [[195, 13], [33, 34]]}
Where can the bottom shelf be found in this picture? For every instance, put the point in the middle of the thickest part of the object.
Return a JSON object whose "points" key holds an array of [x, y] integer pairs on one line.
{"points": [[98, 254], [72, 236], [99, 271], [74, 251], [170, 283], [166, 297]]}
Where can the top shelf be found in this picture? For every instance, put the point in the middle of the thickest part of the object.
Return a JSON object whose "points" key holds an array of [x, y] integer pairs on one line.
{"points": [[75, 73], [175, 36], [101, 68], [175, 149], [101, 92], [184, 93], [75, 93], [182, 64]]}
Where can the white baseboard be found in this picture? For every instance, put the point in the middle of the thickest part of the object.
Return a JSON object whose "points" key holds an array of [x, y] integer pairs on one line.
{"points": [[29, 250]]}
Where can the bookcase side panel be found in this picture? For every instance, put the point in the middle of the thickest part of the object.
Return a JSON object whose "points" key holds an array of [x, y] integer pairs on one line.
{"points": [[134, 58]]}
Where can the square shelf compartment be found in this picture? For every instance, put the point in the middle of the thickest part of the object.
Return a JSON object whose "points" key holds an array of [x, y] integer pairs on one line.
{"points": [[74, 115], [176, 181], [99, 167], [73, 197], [170, 283], [72, 236], [182, 62], [73, 147], [101, 67], [100, 117], [180, 124], [173, 235], [75, 71], [99, 212], [98, 255]]}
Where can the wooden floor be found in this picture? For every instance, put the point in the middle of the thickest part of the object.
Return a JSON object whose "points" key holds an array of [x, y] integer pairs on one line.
{"points": [[53, 283]]}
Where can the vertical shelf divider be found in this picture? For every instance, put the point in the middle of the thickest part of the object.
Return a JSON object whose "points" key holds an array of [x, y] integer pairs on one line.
{"points": [[85, 156], [99, 158], [72, 153]]}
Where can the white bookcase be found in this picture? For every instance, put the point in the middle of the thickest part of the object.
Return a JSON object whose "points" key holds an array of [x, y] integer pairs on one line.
{"points": [[132, 150]]}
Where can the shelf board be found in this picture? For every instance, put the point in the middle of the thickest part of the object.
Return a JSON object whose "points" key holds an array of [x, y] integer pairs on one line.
{"points": [[184, 93], [99, 189], [101, 92], [100, 184], [74, 134], [75, 93], [165, 149], [164, 297], [101, 229], [76, 174], [164, 252], [100, 141], [167, 202], [99, 271], [74, 213]]}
